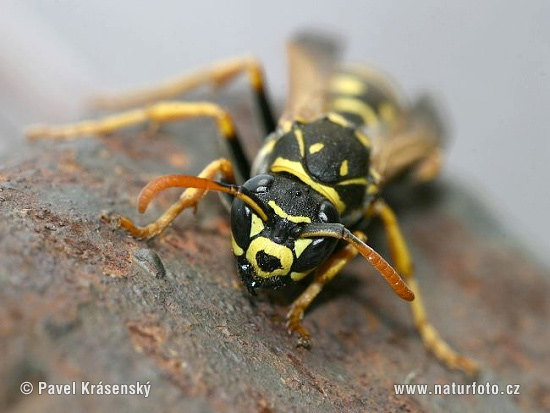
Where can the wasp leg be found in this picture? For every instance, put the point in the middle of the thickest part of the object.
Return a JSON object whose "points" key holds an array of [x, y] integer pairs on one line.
{"points": [[217, 75], [326, 272], [188, 199], [403, 264], [158, 113]]}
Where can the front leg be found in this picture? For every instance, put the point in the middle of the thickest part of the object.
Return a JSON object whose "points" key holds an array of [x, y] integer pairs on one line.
{"points": [[158, 113], [326, 272], [188, 199]]}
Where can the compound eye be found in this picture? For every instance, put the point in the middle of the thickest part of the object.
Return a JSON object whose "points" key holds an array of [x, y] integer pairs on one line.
{"points": [[314, 254], [328, 213], [241, 220], [259, 184]]}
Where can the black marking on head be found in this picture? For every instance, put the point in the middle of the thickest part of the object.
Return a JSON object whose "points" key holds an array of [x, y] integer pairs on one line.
{"points": [[268, 262], [253, 282]]}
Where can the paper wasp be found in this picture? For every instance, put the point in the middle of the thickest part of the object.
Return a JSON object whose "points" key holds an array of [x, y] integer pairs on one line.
{"points": [[345, 133]]}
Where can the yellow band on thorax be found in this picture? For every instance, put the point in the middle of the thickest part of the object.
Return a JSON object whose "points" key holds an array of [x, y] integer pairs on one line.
{"points": [[295, 168], [293, 218]]}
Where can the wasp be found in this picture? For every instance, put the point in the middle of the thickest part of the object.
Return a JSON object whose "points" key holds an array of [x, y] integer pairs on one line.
{"points": [[346, 133]]}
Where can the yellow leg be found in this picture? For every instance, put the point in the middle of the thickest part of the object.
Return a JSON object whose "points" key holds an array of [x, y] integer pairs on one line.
{"points": [[326, 272], [188, 199], [403, 264], [217, 75], [158, 113]]}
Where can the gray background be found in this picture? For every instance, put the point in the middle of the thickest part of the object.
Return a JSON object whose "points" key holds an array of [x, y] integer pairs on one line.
{"points": [[489, 61]]}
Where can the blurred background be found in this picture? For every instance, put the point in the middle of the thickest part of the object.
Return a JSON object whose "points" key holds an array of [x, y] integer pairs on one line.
{"points": [[489, 62]]}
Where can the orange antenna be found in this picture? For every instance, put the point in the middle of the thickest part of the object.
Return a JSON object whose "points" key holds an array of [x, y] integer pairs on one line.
{"points": [[185, 181], [386, 270]]}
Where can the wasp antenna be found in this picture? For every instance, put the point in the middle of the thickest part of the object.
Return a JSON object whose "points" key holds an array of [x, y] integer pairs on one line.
{"points": [[376, 260], [155, 186], [185, 181]]}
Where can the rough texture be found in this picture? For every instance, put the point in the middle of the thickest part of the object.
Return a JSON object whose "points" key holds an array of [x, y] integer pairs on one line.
{"points": [[80, 301]]}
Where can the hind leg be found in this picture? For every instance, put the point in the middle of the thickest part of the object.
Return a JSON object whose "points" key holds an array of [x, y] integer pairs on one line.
{"points": [[403, 264], [217, 75]]}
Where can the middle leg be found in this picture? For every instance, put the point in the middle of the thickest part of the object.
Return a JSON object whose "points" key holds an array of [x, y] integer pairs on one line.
{"points": [[161, 112], [217, 74]]}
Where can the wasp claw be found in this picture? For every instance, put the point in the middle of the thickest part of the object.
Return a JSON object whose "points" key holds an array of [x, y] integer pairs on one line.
{"points": [[294, 325], [110, 218], [304, 342]]}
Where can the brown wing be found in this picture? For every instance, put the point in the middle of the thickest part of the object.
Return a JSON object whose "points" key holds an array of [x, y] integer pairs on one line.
{"points": [[416, 147], [312, 59]]}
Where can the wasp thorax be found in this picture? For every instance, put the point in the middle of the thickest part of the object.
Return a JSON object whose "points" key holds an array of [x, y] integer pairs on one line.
{"points": [[270, 253]]}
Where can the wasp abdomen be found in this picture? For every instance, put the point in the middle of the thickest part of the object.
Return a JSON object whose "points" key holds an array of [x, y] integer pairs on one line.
{"points": [[366, 97]]}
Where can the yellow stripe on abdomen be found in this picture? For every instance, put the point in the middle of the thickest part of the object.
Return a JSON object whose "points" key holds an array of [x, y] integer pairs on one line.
{"points": [[357, 107]]}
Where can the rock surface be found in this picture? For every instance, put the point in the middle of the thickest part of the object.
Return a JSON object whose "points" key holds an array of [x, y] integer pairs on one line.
{"points": [[80, 301]]}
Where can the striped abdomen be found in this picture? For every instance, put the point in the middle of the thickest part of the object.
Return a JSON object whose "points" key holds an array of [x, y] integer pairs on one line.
{"points": [[367, 98]]}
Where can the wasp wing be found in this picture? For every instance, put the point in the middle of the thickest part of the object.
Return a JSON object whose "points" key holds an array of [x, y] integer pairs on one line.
{"points": [[415, 147], [312, 59]]}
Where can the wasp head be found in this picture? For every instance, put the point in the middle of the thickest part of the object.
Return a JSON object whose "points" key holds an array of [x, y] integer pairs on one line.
{"points": [[270, 252]]}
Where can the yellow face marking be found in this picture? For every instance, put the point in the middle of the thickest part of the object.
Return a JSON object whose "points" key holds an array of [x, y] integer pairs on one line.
{"points": [[300, 138], [279, 211], [256, 225], [296, 169], [300, 245], [238, 251], [339, 119], [316, 147], [348, 85], [363, 138], [297, 276], [271, 248], [357, 107], [344, 169]]}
